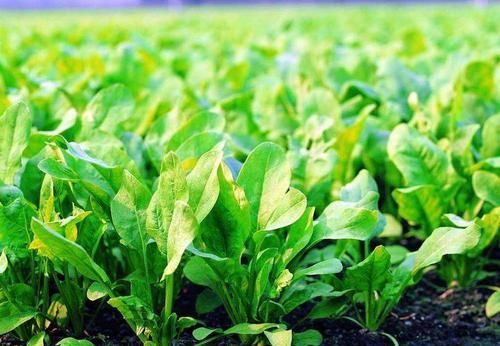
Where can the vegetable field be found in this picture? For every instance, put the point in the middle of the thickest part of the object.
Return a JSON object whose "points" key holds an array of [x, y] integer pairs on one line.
{"points": [[266, 176]]}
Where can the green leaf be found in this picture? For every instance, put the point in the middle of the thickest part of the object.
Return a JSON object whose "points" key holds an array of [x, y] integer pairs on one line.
{"points": [[493, 304], [360, 190], [197, 145], [462, 141], [446, 241], [11, 317], [490, 134], [74, 342], [136, 312], [330, 266], [392, 228], [76, 170], [109, 108], [203, 184], [282, 281], [344, 146], [250, 328], [279, 337], [198, 271], [302, 292], [331, 307], [297, 237], [181, 233], [356, 216], [228, 225], [419, 160], [96, 291], [172, 187], [490, 224], [420, 205], [15, 129], [370, 274], [398, 253], [186, 322], [15, 215], [200, 123], [322, 102], [341, 221], [37, 340], [203, 333], [479, 78], [57, 170], [69, 251], [265, 178], [487, 186], [309, 337], [4, 263], [128, 210], [289, 210], [207, 301]]}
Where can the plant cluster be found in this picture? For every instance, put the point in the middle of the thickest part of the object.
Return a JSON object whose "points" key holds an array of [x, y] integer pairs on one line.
{"points": [[281, 171]]}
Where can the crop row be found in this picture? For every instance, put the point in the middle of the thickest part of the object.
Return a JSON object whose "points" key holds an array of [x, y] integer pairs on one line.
{"points": [[281, 171]]}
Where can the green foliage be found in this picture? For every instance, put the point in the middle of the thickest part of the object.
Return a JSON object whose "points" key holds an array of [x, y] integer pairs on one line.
{"points": [[263, 163]]}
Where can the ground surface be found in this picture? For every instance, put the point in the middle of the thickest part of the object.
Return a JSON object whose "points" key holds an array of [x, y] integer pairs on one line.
{"points": [[427, 315]]}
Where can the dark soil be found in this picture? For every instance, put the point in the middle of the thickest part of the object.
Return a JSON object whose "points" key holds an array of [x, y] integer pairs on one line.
{"points": [[108, 328], [426, 316]]}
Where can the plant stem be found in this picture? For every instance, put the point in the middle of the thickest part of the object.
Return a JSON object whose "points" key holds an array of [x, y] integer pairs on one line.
{"points": [[45, 292], [366, 248], [169, 292], [368, 308]]}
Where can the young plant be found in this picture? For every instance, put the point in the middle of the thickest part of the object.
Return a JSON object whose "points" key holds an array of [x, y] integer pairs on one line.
{"points": [[251, 246], [28, 301], [154, 230], [374, 286], [453, 178]]}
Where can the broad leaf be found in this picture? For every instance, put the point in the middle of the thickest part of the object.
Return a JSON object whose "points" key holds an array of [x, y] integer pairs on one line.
{"points": [[15, 128], [279, 337], [490, 134], [340, 221], [69, 251], [420, 205], [128, 210], [265, 178], [135, 311], [493, 304], [250, 328], [172, 187], [370, 274], [109, 108], [228, 225], [203, 184], [309, 337], [330, 266], [74, 342], [11, 317], [417, 157], [289, 210], [487, 186], [181, 233], [446, 241]]}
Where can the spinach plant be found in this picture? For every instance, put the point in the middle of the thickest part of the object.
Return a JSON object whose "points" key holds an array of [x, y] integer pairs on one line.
{"points": [[28, 302], [154, 230], [249, 250], [456, 181], [374, 286]]}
